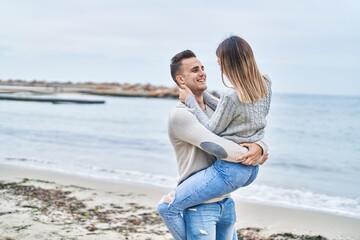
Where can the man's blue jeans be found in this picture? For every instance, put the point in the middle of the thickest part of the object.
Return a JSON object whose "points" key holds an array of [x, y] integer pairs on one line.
{"points": [[211, 221], [221, 178]]}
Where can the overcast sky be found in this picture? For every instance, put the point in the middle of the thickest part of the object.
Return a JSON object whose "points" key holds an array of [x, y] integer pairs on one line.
{"points": [[305, 46]]}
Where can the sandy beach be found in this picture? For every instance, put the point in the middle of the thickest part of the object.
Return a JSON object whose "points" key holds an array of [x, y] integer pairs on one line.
{"points": [[39, 204]]}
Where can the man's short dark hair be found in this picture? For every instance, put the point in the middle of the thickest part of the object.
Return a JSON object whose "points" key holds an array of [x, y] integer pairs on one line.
{"points": [[176, 62]]}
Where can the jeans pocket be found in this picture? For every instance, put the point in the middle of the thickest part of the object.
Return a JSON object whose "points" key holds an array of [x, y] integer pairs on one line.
{"points": [[239, 176], [235, 175], [253, 175]]}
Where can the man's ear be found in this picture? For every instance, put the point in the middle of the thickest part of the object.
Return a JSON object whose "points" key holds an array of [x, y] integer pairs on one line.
{"points": [[180, 80]]}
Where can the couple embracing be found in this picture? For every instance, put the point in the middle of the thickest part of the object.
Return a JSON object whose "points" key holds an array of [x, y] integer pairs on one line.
{"points": [[218, 142]]}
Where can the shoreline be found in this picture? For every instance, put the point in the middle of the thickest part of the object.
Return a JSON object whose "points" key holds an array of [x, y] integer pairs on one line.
{"points": [[89, 88], [137, 202], [13, 87]]}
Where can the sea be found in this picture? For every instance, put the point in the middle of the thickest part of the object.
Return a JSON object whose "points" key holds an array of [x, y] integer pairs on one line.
{"points": [[314, 141]]}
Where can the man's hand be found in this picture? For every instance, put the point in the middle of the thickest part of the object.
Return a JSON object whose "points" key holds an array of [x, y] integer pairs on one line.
{"points": [[264, 158], [184, 93], [254, 156]]}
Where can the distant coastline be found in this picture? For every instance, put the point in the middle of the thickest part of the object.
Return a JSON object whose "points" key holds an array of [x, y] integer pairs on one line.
{"points": [[103, 89]]}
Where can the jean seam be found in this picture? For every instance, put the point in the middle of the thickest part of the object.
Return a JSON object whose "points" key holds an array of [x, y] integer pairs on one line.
{"points": [[249, 173], [167, 218], [223, 178], [254, 170]]}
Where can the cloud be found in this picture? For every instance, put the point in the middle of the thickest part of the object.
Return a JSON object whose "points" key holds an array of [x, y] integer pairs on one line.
{"points": [[134, 40]]}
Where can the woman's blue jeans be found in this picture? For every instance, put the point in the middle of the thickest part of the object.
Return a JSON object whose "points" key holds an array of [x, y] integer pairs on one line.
{"points": [[219, 179]]}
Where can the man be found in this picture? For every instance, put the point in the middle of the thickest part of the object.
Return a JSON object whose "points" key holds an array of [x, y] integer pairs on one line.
{"points": [[195, 148]]}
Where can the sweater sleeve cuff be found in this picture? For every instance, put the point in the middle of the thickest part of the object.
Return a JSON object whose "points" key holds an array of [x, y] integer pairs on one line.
{"points": [[263, 145], [190, 101]]}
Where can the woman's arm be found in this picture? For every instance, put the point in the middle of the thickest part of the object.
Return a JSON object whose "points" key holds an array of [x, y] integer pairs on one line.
{"points": [[210, 100], [223, 115]]}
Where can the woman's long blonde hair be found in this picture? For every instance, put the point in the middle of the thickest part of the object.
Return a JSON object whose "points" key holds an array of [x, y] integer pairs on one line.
{"points": [[237, 63]]}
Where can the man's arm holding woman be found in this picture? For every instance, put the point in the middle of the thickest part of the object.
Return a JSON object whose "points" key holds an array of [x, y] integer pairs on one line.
{"points": [[189, 129]]}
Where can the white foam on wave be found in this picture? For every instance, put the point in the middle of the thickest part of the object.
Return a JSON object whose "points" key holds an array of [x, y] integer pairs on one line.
{"points": [[29, 161], [301, 199], [79, 169], [264, 194], [135, 176]]}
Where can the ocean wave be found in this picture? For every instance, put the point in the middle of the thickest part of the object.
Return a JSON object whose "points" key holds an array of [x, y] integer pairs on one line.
{"points": [[300, 199], [29, 160], [264, 194], [135, 176]]}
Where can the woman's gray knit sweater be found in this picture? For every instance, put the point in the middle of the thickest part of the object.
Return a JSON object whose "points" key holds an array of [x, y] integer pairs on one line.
{"points": [[234, 120]]}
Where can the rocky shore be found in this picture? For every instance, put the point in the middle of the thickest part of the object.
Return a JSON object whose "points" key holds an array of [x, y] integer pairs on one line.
{"points": [[104, 89]]}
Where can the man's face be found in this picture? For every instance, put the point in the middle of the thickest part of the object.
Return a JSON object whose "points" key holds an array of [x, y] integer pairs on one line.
{"points": [[192, 74]]}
